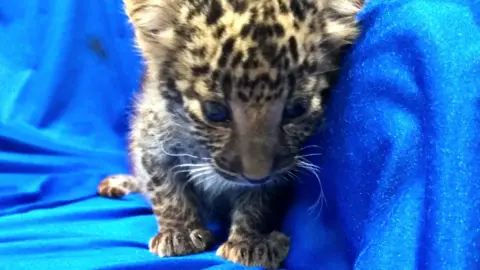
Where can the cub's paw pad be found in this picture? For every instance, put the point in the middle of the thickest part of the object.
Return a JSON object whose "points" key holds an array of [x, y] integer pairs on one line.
{"points": [[115, 186], [177, 242], [267, 251]]}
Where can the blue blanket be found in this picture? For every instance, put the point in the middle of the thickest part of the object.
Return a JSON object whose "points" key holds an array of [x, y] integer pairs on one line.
{"points": [[400, 166]]}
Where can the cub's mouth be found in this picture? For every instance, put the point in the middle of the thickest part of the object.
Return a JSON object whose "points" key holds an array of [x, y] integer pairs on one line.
{"points": [[242, 179]]}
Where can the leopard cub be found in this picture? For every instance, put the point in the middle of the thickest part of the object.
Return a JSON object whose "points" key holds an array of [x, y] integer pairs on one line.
{"points": [[232, 90]]}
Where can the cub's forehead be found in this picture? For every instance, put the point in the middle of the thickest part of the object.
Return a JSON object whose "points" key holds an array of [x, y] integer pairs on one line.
{"points": [[248, 45], [247, 25]]}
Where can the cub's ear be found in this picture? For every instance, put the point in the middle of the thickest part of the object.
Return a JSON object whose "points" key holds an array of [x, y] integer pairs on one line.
{"points": [[153, 22], [341, 25]]}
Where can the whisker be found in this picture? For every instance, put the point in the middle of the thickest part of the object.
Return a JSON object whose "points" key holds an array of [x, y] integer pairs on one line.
{"points": [[297, 178], [191, 165], [306, 162], [187, 168], [181, 155], [191, 171], [325, 71], [321, 200], [310, 155], [195, 179], [310, 146], [307, 166], [294, 176], [197, 175]]}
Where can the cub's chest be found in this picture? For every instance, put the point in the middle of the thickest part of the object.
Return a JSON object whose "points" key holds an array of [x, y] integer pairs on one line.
{"points": [[215, 204]]}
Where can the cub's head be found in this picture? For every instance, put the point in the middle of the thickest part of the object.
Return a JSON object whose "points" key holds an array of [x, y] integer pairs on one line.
{"points": [[250, 75]]}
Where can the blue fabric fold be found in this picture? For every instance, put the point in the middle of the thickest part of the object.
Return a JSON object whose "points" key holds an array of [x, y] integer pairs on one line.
{"points": [[398, 156]]}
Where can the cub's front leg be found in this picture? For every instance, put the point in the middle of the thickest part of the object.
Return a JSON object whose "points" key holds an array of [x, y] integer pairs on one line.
{"points": [[252, 241], [181, 231]]}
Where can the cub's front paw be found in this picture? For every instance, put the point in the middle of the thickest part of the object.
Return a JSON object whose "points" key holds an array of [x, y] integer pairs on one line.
{"points": [[180, 241], [267, 251]]}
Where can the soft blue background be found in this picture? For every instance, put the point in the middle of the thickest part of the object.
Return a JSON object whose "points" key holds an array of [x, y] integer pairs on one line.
{"points": [[400, 163]]}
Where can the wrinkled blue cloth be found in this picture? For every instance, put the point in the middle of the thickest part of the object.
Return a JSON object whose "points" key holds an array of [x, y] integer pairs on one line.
{"points": [[400, 163]]}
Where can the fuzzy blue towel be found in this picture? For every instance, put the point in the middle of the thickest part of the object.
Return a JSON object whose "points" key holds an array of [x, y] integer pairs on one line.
{"points": [[400, 166]]}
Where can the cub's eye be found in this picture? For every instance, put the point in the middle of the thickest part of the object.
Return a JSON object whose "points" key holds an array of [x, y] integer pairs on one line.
{"points": [[295, 110], [216, 112]]}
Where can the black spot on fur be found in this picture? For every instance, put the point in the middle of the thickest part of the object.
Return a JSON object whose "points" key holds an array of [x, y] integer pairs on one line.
{"points": [[254, 12], [200, 70], [296, 25], [200, 52], [262, 32], [239, 6], [213, 83], [292, 82], [227, 85], [269, 13], [269, 51], [157, 181], [250, 93], [251, 61], [246, 29], [185, 33], [276, 61], [297, 9], [220, 31], [283, 7], [193, 12], [286, 63], [191, 93], [292, 46], [242, 96], [226, 52], [237, 59], [279, 31], [215, 12]]}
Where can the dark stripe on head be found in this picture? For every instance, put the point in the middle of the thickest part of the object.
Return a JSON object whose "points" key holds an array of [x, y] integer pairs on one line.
{"points": [[227, 50], [292, 46], [200, 70], [237, 59], [297, 9], [227, 85], [215, 12], [246, 29]]}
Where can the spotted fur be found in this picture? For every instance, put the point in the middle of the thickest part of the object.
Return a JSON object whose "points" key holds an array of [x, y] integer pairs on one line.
{"points": [[259, 60]]}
